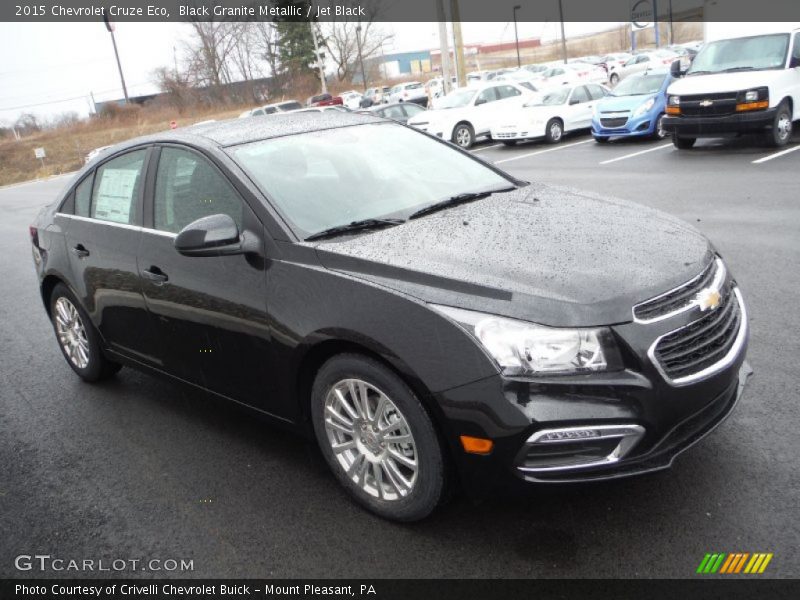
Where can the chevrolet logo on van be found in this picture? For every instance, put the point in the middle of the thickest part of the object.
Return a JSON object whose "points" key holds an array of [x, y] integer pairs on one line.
{"points": [[708, 299], [706, 103]]}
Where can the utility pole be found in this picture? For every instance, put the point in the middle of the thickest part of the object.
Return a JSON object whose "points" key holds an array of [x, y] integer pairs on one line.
{"points": [[110, 27], [563, 37], [455, 14], [516, 35], [671, 31], [319, 59], [360, 56], [444, 47]]}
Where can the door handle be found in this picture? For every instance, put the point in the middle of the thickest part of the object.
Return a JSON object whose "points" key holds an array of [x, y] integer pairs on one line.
{"points": [[156, 275], [80, 251]]}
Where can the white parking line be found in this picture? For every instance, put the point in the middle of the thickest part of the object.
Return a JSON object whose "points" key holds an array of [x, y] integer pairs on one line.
{"points": [[486, 148], [497, 162], [605, 162], [776, 155]]}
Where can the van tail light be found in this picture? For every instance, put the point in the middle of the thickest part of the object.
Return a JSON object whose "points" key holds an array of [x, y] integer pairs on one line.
{"points": [[34, 235]]}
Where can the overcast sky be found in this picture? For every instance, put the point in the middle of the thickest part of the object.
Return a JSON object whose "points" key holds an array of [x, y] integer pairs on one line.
{"points": [[51, 68]]}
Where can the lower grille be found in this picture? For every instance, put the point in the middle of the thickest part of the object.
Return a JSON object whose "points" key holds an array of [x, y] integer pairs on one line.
{"points": [[615, 122], [705, 346]]}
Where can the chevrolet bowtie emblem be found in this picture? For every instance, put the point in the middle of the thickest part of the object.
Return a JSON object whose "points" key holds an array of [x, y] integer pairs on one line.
{"points": [[708, 299], [705, 103]]}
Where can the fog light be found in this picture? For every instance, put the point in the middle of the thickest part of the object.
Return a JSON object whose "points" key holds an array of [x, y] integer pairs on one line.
{"points": [[474, 445]]}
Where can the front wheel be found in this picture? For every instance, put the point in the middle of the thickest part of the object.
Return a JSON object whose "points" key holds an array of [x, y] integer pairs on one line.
{"points": [[510, 142], [781, 131], [659, 132], [464, 136], [554, 131], [614, 79], [77, 337], [682, 143], [601, 140], [377, 438]]}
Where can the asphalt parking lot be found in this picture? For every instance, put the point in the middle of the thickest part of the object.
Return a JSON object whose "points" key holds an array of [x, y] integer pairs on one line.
{"points": [[139, 468]]}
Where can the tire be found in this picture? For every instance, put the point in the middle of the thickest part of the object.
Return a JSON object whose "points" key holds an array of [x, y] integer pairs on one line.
{"points": [[77, 338], [554, 131], [781, 131], [601, 140], [683, 143], [614, 79], [510, 142], [659, 133], [367, 467], [464, 136]]}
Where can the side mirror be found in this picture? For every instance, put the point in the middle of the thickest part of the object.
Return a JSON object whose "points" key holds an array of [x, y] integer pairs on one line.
{"points": [[676, 70], [216, 235]]}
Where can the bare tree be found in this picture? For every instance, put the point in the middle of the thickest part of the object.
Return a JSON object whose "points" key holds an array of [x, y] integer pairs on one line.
{"points": [[210, 50], [267, 44], [343, 36]]}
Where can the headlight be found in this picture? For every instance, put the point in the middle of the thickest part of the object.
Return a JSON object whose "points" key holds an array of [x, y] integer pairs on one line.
{"points": [[674, 101], [751, 95], [643, 108], [522, 348]]}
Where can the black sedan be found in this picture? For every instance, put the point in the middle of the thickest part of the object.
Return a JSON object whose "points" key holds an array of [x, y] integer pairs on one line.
{"points": [[397, 111], [429, 319]]}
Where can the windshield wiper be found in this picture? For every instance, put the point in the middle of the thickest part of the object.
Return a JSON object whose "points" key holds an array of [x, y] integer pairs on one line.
{"points": [[354, 226], [733, 69], [701, 72], [454, 200]]}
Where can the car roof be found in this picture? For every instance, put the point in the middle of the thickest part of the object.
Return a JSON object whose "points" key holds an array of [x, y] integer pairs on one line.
{"points": [[232, 132]]}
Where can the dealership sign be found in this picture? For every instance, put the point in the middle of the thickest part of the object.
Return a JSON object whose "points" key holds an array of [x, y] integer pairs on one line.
{"points": [[641, 14]]}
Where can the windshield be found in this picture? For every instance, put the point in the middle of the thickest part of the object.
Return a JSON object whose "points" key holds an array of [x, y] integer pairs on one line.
{"points": [[552, 98], [290, 105], [750, 53], [333, 177], [639, 86], [456, 99]]}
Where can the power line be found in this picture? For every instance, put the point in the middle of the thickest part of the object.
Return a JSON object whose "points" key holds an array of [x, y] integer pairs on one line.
{"points": [[61, 100]]}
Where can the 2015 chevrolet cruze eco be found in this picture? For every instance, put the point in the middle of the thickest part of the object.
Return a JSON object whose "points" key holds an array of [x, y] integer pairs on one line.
{"points": [[426, 316]]}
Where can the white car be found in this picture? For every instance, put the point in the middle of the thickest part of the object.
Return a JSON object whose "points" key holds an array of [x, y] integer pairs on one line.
{"points": [[351, 99], [638, 63], [550, 115], [271, 109], [94, 154], [410, 91], [466, 114], [570, 74]]}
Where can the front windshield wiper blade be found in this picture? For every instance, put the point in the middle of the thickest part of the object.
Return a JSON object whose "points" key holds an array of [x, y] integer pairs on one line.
{"points": [[454, 200], [701, 72], [354, 226], [734, 69]]}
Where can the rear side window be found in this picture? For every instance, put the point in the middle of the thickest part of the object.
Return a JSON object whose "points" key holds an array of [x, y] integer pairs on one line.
{"points": [[188, 187], [83, 197], [579, 95], [116, 188], [508, 91], [596, 92], [487, 95]]}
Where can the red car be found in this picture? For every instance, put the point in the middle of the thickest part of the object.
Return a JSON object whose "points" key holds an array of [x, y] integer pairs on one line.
{"points": [[324, 100]]}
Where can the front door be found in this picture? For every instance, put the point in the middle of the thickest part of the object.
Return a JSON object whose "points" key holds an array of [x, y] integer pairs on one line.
{"points": [[211, 312]]}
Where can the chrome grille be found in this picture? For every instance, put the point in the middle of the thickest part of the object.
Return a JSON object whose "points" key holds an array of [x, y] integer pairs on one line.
{"points": [[682, 297], [706, 345], [613, 122]]}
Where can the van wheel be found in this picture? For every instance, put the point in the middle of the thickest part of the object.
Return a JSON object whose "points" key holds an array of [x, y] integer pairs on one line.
{"points": [[377, 438], [781, 131], [77, 337], [464, 136], [683, 143]]}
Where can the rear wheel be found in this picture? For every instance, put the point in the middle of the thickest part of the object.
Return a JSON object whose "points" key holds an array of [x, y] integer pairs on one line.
{"points": [[77, 337], [554, 131], [781, 131], [377, 438], [464, 136], [510, 142], [614, 79], [683, 143]]}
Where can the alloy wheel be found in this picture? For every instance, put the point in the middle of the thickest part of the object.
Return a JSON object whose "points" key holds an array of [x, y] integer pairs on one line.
{"points": [[555, 131], [463, 137], [371, 439], [660, 131], [71, 333]]}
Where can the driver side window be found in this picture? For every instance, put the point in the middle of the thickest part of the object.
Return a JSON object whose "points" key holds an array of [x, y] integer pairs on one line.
{"points": [[188, 187]]}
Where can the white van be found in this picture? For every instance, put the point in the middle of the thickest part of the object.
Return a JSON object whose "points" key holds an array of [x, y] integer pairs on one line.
{"points": [[737, 85]]}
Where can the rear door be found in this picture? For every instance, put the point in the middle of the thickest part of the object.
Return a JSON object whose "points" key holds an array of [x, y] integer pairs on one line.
{"points": [[210, 312], [102, 239], [579, 109]]}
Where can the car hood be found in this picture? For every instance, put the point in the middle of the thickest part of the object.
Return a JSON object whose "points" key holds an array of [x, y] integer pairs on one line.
{"points": [[725, 82], [621, 103], [538, 253]]}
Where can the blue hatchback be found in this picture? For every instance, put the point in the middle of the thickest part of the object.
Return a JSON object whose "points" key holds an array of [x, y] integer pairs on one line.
{"points": [[635, 108]]}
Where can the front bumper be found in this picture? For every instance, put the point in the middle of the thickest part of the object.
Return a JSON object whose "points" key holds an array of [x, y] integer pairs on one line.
{"points": [[653, 419], [524, 131], [746, 122], [634, 127]]}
